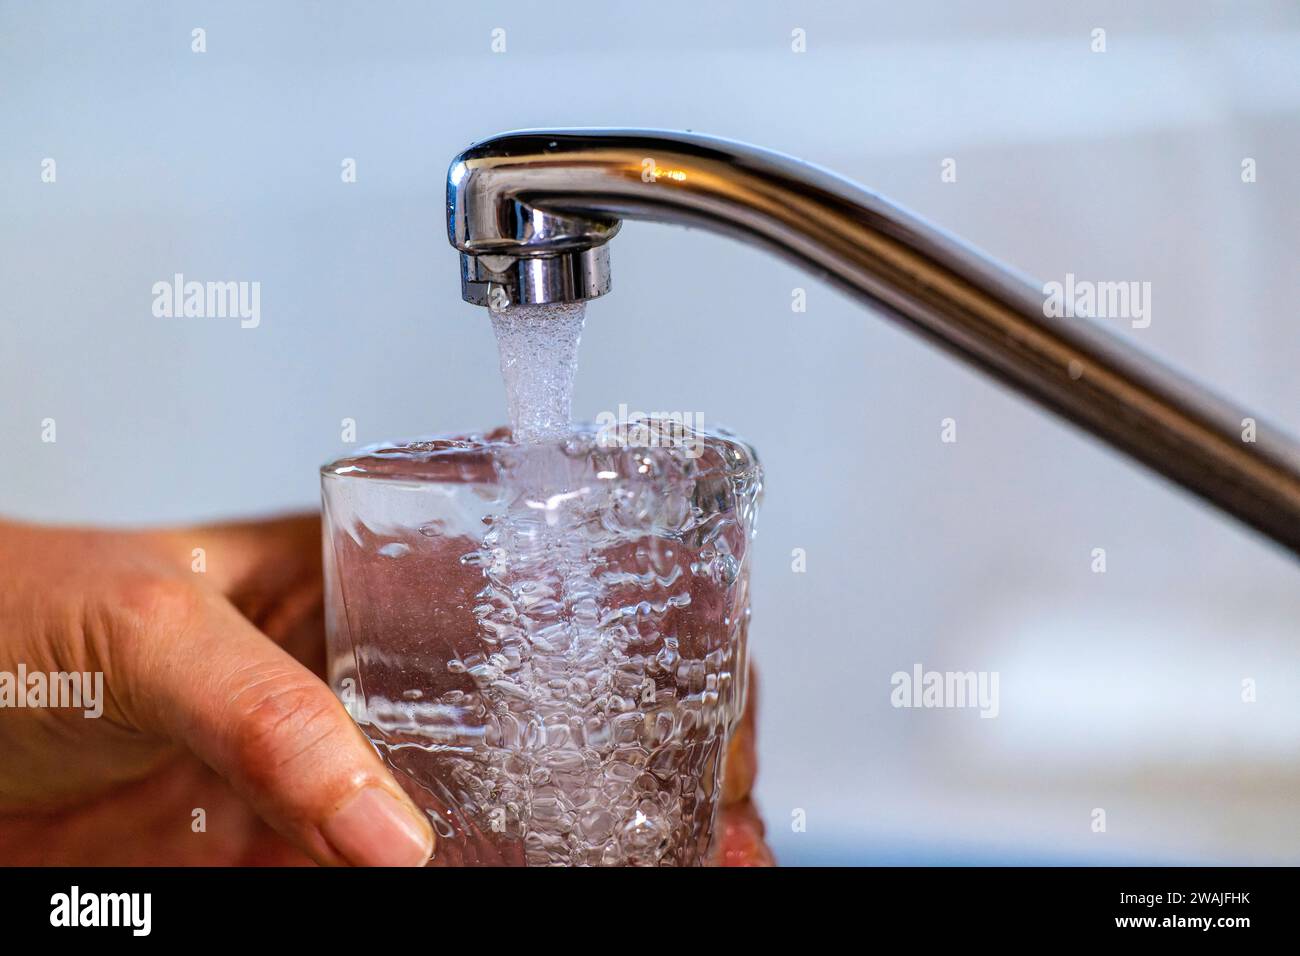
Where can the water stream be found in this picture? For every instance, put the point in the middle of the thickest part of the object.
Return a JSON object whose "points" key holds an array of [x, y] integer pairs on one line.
{"points": [[538, 345]]}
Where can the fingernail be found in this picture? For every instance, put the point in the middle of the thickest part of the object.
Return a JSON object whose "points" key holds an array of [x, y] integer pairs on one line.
{"points": [[374, 828]]}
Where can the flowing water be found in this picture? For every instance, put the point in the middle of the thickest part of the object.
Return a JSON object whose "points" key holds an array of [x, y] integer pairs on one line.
{"points": [[538, 345], [563, 691]]}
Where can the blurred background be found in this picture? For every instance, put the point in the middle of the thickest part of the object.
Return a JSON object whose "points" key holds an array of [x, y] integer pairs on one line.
{"points": [[1119, 690]]}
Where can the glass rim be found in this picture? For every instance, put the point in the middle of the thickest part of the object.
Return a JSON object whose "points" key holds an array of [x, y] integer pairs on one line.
{"points": [[734, 457]]}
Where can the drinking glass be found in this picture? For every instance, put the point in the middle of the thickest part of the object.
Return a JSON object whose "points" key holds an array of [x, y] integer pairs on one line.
{"points": [[547, 643]]}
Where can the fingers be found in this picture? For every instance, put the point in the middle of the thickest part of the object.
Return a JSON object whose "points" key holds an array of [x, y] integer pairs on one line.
{"points": [[742, 837], [742, 832], [270, 570], [742, 753], [245, 560], [214, 683]]}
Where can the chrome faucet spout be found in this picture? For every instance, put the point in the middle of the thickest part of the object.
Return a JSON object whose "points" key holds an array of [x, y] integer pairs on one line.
{"points": [[532, 213]]}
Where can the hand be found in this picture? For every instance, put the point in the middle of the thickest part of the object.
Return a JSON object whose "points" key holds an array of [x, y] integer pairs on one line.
{"points": [[217, 744], [211, 711], [742, 831]]}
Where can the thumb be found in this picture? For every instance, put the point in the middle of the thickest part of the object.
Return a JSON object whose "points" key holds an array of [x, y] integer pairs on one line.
{"points": [[278, 735]]}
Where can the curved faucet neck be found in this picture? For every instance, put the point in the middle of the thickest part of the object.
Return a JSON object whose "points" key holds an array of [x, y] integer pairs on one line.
{"points": [[532, 213]]}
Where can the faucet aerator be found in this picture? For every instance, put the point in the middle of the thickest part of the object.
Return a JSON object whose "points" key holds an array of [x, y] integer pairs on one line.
{"points": [[500, 281]]}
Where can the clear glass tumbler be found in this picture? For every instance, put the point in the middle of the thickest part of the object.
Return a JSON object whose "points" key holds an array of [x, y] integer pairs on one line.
{"points": [[546, 643]]}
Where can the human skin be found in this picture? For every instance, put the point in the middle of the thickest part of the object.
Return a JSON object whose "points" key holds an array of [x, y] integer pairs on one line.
{"points": [[219, 743]]}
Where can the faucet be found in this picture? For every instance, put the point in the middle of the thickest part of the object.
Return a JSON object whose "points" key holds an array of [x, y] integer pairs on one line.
{"points": [[532, 214]]}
